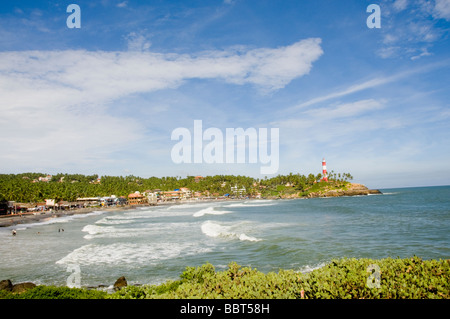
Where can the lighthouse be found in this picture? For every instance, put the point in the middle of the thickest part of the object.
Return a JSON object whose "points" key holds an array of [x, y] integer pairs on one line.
{"points": [[324, 171]]}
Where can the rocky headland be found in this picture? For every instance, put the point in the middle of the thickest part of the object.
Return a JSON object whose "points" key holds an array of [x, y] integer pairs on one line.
{"points": [[330, 189], [351, 189]]}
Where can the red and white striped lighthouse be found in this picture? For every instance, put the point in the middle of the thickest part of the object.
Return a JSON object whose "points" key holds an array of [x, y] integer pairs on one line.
{"points": [[324, 171]]}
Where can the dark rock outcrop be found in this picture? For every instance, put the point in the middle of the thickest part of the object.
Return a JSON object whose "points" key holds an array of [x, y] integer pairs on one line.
{"points": [[351, 190], [6, 285], [120, 283], [17, 288], [22, 287]]}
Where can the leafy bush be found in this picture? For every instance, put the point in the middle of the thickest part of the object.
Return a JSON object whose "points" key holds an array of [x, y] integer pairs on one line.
{"points": [[146, 291], [399, 279], [236, 282], [341, 279], [410, 278], [52, 292]]}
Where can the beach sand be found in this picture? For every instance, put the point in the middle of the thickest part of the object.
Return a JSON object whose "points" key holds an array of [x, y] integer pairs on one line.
{"points": [[25, 218]]}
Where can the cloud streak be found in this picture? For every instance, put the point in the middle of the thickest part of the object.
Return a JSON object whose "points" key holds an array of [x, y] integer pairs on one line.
{"points": [[411, 28], [55, 104], [369, 84], [108, 75]]}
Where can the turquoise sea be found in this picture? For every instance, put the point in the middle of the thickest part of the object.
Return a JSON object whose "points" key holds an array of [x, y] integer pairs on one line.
{"points": [[155, 244]]}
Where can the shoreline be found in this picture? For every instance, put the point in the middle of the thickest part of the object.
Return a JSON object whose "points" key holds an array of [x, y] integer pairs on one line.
{"points": [[28, 218]]}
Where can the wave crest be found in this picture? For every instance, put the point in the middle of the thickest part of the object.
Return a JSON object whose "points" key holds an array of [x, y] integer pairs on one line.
{"points": [[210, 211], [215, 230]]}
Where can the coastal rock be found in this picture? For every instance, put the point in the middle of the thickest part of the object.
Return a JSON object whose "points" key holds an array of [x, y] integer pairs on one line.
{"points": [[120, 283], [22, 287], [6, 285], [359, 189], [353, 189]]}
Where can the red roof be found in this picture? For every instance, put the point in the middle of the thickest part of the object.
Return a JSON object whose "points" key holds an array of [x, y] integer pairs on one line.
{"points": [[135, 195]]}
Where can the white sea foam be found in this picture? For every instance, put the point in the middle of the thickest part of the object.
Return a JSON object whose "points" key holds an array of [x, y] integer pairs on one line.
{"points": [[210, 211], [177, 206], [159, 212], [212, 229], [309, 268], [254, 203], [94, 230], [186, 205], [130, 253], [154, 229], [137, 215], [112, 220], [249, 238]]}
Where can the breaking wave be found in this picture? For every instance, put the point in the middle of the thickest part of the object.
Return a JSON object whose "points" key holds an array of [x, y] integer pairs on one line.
{"points": [[254, 203], [130, 253], [103, 231], [210, 211], [212, 229]]}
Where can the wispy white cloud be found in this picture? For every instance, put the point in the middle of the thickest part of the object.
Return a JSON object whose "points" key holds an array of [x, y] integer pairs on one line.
{"points": [[137, 42], [55, 104], [422, 54], [345, 110], [369, 84], [442, 9], [338, 119], [400, 5], [349, 90], [122, 4], [84, 76], [410, 27]]}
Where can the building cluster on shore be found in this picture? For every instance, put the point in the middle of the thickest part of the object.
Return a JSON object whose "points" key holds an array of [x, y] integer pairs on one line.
{"points": [[148, 197]]}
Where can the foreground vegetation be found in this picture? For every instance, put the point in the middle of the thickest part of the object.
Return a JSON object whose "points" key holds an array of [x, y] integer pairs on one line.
{"points": [[410, 278]]}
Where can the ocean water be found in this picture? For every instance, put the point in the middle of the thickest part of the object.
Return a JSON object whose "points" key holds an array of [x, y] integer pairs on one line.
{"points": [[153, 244]]}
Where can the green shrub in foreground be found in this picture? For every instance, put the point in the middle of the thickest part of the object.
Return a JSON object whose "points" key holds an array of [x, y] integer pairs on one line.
{"points": [[399, 279], [411, 278], [236, 282], [52, 292]]}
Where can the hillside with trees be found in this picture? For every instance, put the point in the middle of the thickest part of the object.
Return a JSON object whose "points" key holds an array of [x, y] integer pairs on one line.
{"points": [[36, 187]]}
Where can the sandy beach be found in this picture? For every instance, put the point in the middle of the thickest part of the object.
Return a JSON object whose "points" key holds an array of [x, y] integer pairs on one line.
{"points": [[33, 217], [25, 218]]}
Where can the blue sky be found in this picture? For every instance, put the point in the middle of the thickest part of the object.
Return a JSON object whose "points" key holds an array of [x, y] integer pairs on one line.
{"points": [[106, 97]]}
